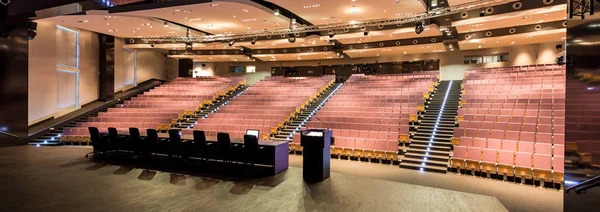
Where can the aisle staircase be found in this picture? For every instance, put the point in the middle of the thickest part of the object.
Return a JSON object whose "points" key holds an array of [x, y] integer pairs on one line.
{"points": [[431, 145], [294, 126]]}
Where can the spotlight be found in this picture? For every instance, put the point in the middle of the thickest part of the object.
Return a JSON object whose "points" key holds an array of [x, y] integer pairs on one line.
{"points": [[482, 13], [331, 34], [559, 46], [276, 12], [366, 33], [189, 46], [292, 39], [253, 42], [165, 24], [419, 28], [152, 45], [231, 42]]}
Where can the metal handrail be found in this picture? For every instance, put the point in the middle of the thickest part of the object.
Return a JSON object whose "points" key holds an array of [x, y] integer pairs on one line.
{"points": [[583, 186], [9, 135]]}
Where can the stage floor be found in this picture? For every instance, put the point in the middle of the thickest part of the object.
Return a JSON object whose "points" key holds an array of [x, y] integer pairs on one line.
{"points": [[60, 178]]}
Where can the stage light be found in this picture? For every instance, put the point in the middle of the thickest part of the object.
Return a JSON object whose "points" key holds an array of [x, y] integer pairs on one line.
{"points": [[253, 42], [152, 45], [292, 39], [366, 33], [276, 12], [559, 46], [331, 34], [165, 24], [482, 13], [419, 28], [231, 42], [189, 46]]}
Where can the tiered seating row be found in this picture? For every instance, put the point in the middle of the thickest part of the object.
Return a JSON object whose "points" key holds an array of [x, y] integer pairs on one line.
{"points": [[369, 115], [511, 121], [265, 106], [157, 108]]}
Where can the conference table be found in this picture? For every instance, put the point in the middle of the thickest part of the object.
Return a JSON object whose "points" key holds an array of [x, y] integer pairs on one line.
{"points": [[274, 154]]}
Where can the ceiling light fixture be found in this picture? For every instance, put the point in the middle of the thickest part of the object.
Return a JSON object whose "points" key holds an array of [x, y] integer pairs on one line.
{"points": [[292, 39], [366, 33], [276, 12], [189, 46], [482, 13], [231, 42], [166, 24], [353, 10]]}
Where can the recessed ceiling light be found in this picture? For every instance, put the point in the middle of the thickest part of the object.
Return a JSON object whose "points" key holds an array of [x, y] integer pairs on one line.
{"points": [[249, 19], [311, 6], [214, 5], [112, 30], [245, 10], [83, 21], [195, 19]]}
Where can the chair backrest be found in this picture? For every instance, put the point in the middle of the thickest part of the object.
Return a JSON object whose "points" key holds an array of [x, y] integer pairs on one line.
{"points": [[199, 139], [223, 141], [151, 137], [174, 136], [113, 135], [94, 135], [250, 143], [134, 135]]}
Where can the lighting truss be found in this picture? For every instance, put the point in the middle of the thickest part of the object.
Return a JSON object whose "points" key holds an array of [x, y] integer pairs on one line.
{"points": [[333, 27], [580, 8]]}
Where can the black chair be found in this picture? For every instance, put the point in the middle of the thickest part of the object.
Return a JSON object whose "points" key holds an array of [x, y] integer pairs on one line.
{"points": [[175, 146], [251, 149], [99, 146], [200, 147], [113, 139], [135, 140], [223, 147], [151, 143]]}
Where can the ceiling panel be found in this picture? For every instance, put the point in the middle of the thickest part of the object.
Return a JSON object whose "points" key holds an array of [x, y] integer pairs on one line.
{"points": [[337, 11], [527, 17], [219, 17], [214, 58], [117, 25], [297, 57], [394, 51], [515, 40], [392, 34]]}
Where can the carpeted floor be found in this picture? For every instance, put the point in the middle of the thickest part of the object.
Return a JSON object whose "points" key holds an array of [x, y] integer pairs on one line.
{"points": [[60, 179]]}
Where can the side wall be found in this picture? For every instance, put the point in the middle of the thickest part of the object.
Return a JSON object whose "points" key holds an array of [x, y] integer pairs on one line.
{"points": [[42, 88], [149, 64]]}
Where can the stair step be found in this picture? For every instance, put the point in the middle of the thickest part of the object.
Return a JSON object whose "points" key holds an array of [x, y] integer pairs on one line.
{"points": [[428, 162], [419, 155], [426, 152], [423, 168]]}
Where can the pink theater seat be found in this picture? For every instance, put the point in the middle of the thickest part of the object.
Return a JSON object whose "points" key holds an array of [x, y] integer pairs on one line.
{"points": [[559, 139], [381, 145], [544, 138], [523, 159], [459, 152], [474, 153], [514, 127], [558, 164], [543, 148], [558, 150], [490, 155], [527, 136], [392, 146], [497, 134], [339, 141], [370, 144], [506, 157], [479, 142], [466, 141], [524, 146], [509, 145], [360, 143], [528, 128], [458, 132], [494, 143]]}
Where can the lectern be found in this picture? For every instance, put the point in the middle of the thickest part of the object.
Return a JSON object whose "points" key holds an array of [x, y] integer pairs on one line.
{"points": [[315, 144]]}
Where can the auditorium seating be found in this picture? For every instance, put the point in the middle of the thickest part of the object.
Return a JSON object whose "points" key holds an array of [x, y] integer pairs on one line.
{"points": [[583, 137], [511, 122], [157, 108], [265, 106], [369, 114]]}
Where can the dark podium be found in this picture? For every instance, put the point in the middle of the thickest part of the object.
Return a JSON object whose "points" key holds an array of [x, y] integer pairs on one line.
{"points": [[315, 144]]}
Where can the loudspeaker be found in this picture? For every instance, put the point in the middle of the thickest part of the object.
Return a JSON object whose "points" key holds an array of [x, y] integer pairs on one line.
{"points": [[31, 34], [32, 25]]}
